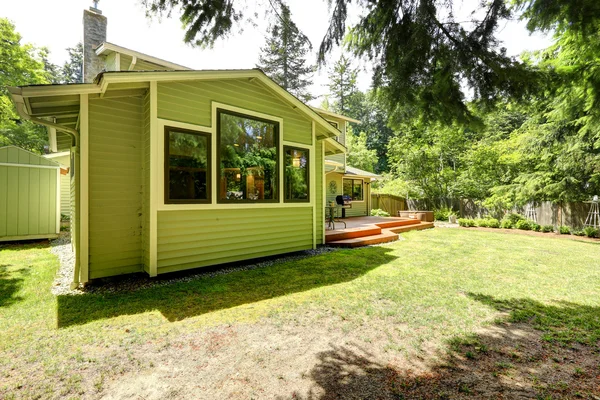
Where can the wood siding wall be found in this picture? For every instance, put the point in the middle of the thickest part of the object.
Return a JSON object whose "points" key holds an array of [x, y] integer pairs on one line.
{"points": [[27, 195], [115, 186], [359, 208], [191, 102], [189, 239]]}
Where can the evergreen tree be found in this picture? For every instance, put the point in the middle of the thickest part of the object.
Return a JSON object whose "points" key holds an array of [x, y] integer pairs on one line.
{"points": [[342, 84], [72, 70], [284, 56]]}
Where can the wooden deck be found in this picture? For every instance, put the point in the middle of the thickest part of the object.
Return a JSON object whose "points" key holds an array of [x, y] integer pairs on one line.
{"points": [[364, 231]]}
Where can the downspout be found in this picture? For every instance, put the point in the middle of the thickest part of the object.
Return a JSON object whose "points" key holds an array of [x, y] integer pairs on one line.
{"points": [[22, 111]]}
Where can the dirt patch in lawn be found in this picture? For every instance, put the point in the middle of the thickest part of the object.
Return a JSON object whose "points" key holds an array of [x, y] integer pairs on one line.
{"points": [[507, 361]]}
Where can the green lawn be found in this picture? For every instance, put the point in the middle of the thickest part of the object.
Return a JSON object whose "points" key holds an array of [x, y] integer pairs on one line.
{"points": [[422, 295]]}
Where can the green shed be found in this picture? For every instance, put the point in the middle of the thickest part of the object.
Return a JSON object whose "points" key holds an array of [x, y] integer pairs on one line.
{"points": [[29, 195]]}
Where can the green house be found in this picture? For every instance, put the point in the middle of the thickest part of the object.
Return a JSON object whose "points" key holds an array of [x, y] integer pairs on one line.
{"points": [[172, 169], [29, 195]]}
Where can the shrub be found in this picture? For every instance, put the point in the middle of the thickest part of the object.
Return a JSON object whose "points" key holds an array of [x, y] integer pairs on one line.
{"points": [[590, 232], [481, 222], [493, 223], [378, 212], [466, 222], [579, 233], [506, 224], [523, 224], [442, 214], [547, 228], [535, 226], [514, 218], [564, 230]]}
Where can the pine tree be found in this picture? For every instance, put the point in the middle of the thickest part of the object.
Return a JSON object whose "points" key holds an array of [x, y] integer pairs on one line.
{"points": [[284, 56], [342, 84], [72, 70]]}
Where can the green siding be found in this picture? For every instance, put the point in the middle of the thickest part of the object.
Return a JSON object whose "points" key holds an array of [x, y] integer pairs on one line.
{"points": [[27, 195], [115, 186], [140, 65], [191, 102], [145, 143], [190, 239], [65, 185]]}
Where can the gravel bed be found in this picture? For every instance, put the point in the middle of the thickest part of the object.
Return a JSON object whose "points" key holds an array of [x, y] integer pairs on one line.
{"points": [[62, 282], [127, 283]]}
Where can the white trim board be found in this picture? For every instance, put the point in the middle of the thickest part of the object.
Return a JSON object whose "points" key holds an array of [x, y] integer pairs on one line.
{"points": [[29, 166]]}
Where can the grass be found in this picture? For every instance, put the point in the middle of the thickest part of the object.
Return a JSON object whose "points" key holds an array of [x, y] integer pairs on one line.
{"points": [[436, 288]]}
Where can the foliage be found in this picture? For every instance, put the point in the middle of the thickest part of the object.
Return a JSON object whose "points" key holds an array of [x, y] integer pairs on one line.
{"points": [[524, 224], [359, 156], [283, 58], [579, 232], [481, 222], [442, 214], [514, 217], [342, 85], [506, 224], [466, 222], [590, 231], [564, 230], [493, 223], [72, 70], [377, 212], [535, 226], [547, 228]]}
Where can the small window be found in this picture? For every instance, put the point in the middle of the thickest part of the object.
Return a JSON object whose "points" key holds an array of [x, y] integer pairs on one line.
{"points": [[354, 189], [248, 158], [187, 166], [296, 174]]}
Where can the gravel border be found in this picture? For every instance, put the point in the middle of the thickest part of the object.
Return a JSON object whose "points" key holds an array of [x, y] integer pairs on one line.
{"points": [[132, 282]]}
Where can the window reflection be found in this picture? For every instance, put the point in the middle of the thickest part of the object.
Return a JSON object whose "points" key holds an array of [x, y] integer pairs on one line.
{"points": [[186, 166], [296, 174], [248, 153]]}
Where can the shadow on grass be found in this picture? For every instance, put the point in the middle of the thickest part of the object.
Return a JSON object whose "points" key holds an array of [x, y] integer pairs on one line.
{"points": [[181, 300], [518, 359], [10, 285]]}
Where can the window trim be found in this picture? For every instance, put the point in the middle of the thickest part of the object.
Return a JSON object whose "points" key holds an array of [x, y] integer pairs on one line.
{"points": [[276, 143], [208, 135], [308, 192], [362, 188]]}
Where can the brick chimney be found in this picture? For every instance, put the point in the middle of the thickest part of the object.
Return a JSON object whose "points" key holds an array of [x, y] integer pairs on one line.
{"points": [[94, 34]]}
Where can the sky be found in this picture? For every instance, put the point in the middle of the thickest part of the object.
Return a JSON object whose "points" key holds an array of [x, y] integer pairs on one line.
{"points": [[58, 24]]}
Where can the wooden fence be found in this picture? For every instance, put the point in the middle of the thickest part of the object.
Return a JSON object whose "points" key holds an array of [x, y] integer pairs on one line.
{"points": [[548, 213], [387, 202]]}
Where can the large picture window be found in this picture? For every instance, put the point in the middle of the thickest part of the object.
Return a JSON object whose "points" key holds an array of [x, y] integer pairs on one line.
{"points": [[187, 166], [354, 189], [248, 158], [296, 174]]}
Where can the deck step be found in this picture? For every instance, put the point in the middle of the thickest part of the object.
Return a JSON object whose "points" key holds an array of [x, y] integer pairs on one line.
{"points": [[384, 237], [396, 223], [351, 233], [415, 227]]}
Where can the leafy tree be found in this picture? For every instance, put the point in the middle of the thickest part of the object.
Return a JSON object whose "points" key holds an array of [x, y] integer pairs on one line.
{"points": [[359, 156], [284, 56], [20, 64]]}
